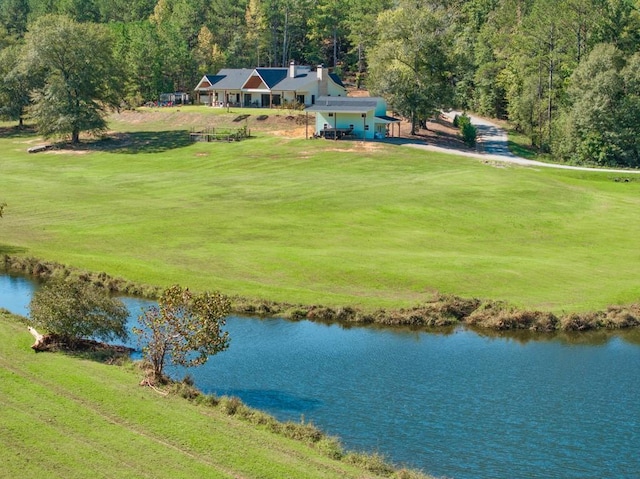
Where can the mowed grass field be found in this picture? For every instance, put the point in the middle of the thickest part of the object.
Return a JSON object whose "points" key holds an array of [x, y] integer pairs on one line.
{"points": [[64, 417], [283, 218]]}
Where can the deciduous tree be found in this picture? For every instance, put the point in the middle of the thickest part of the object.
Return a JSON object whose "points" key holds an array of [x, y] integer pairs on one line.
{"points": [[15, 84], [185, 328], [82, 79], [410, 65], [73, 310]]}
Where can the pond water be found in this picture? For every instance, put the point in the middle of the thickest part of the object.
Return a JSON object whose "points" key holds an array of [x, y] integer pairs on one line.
{"points": [[460, 404]]}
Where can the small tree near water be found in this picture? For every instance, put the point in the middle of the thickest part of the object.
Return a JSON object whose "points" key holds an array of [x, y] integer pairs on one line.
{"points": [[72, 311], [185, 329]]}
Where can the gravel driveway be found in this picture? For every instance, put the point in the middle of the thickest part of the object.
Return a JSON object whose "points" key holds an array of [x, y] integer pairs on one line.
{"points": [[492, 145]]}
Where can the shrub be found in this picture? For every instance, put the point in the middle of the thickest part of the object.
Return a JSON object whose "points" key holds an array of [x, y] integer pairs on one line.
{"points": [[468, 131], [73, 310], [374, 463]]}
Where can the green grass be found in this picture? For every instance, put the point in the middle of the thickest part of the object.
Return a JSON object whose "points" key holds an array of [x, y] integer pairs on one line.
{"points": [[335, 223], [66, 417]]}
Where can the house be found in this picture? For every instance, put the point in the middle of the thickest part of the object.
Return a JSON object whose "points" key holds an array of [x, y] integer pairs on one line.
{"points": [[265, 87], [364, 118]]}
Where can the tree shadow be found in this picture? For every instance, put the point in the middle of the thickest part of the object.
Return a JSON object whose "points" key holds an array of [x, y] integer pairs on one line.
{"points": [[17, 131], [135, 142]]}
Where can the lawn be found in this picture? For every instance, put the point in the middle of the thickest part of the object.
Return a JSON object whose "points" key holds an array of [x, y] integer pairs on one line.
{"points": [[283, 218], [65, 417]]}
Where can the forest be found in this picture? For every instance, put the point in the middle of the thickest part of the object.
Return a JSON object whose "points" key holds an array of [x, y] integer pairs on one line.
{"points": [[566, 73]]}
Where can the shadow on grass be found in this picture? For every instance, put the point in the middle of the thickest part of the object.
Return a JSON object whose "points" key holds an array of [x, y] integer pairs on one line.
{"points": [[9, 250], [136, 142], [17, 131], [522, 151]]}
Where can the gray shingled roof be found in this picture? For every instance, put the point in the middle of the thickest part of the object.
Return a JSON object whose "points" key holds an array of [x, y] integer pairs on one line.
{"points": [[230, 78], [343, 104], [296, 83], [275, 78]]}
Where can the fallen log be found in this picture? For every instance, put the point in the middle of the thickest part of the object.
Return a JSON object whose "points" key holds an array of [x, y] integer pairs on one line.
{"points": [[38, 148]]}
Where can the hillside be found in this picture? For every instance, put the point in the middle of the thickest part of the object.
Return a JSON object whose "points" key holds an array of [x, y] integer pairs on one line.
{"points": [[68, 417], [318, 222]]}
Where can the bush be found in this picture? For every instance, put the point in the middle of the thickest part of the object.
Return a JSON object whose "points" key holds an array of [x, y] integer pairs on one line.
{"points": [[74, 310], [468, 131]]}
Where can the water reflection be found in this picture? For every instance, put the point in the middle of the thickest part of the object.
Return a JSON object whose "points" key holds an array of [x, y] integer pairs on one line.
{"points": [[458, 403]]}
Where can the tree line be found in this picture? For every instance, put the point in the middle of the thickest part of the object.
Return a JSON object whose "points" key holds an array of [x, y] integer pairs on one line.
{"points": [[564, 72]]}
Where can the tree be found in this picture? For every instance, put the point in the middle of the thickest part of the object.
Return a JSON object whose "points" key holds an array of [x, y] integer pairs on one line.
{"points": [[185, 328], [15, 84], [409, 65], [13, 15], [207, 53], [256, 26], [601, 123], [74, 310], [82, 79], [361, 15], [326, 28]]}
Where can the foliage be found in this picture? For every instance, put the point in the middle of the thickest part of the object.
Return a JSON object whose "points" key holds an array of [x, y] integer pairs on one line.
{"points": [[601, 121], [409, 64], [119, 429], [467, 130], [75, 310], [2, 207], [511, 59], [185, 328], [15, 84], [81, 76]]}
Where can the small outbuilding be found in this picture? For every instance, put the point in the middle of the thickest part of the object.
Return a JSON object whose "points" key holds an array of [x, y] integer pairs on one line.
{"points": [[356, 117]]}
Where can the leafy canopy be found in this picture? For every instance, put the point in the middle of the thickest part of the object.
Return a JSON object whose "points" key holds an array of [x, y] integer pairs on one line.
{"points": [[82, 79], [185, 328], [74, 310]]}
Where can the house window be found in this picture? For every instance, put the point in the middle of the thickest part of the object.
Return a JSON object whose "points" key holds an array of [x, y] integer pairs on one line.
{"points": [[366, 127], [330, 114], [300, 99]]}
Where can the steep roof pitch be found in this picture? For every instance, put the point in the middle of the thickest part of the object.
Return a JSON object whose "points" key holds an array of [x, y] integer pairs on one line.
{"points": [[226, 79], [272, 76], [336, 79]]}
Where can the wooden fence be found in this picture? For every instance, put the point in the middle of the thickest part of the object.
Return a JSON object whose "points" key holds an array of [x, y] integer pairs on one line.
{"points": [[220, 134]]}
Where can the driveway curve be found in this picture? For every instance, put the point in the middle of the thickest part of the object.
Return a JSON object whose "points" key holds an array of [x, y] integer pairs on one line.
{"points": [[493, 145]]}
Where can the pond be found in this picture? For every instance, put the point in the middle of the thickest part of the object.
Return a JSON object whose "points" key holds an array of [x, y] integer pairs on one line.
{"points": [[457, 404]]}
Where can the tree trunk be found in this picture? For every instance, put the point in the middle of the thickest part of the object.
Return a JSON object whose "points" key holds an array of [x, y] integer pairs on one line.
{"points": [[39, 345], [75, 136]]}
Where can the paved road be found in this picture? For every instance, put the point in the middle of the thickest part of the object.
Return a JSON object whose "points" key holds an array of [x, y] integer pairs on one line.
{"points": [[492, 145]]}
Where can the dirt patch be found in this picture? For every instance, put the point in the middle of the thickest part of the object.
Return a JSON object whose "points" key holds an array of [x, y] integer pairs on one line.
{"points": [[439, 132], [66, 151]]}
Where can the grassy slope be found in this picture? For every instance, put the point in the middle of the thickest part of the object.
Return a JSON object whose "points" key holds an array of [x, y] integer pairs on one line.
{"points": [[322, 222], [65, 417]]}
